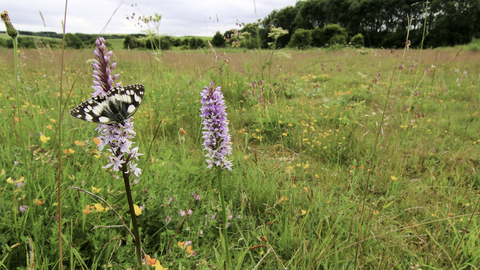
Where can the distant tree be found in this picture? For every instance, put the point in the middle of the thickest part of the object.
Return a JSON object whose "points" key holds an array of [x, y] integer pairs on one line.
{"points": [[250, 36], [165, 43], [152, 43], [335, 34], [285, 18], [196, 43], [85, 37], [218, 40], [23, 42], [301, 39], [319, 38], [357, 41], [130, 42], [73, 41], [456, 22], [176, 42]]}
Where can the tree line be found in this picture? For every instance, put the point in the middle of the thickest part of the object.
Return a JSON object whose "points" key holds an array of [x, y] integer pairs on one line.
{"points": [[382, 23], [29, 39]]}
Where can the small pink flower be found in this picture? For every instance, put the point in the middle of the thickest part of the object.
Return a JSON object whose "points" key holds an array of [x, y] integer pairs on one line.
{"points": [[182, 213], [23, 208]]}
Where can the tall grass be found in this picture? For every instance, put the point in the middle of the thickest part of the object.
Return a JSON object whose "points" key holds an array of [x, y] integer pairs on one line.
{"points": [[301, 160]]}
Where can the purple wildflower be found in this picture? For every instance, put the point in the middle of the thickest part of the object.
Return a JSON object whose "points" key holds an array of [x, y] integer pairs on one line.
{"points": [[196, 197], [215, 128], [23, 208], [102, 73], [187, 243], [167, 219], [189, 212], [117, 136], [213, 217], [182, 213]]}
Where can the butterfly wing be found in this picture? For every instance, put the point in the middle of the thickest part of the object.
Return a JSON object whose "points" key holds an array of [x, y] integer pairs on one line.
{"points": [[119, 104]]}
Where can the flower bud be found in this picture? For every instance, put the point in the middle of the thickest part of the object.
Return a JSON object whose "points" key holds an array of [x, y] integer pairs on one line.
{"points": [[11, 31]]}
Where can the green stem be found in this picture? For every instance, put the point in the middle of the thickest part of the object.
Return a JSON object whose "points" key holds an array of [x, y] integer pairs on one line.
{"points": [[224, 219], [138, 248], [20, 128]]}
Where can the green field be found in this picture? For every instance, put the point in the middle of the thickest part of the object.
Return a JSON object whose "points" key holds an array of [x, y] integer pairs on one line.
{"points": [[341, 159]]}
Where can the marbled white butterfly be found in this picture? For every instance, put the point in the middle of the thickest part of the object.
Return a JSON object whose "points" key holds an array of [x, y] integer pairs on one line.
{"points": [[120, 103]]}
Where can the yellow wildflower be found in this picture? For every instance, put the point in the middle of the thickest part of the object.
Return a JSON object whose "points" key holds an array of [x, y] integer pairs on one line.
{"points": [[38, 202], [79, 143], [96, 141], [44, 139], [99, 208], [189, 249], [137, 209]]}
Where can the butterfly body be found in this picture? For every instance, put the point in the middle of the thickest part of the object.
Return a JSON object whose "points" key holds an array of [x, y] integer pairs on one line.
{"points": [[118, 105]]}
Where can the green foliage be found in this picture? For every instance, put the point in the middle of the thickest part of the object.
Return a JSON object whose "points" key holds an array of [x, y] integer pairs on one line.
{"points": [[32, 43], [448, 22], [218, 40], [152, 43], [357, 41], [319, 39], [474, 46], [165, 43], [196, 43], [335, 34], [130, 42], [301, 39], [73, 41], [250, 37]]}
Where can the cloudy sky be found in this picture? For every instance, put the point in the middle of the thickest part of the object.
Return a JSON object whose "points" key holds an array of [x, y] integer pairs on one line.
{"points": [[179, 17]]}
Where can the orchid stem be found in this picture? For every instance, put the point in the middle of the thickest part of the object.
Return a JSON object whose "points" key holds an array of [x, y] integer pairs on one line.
{"points": [[126, 177], [224, 220]]}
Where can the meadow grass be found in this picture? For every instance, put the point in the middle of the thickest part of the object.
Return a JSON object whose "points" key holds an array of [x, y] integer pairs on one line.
{"points": [[315, 144]]}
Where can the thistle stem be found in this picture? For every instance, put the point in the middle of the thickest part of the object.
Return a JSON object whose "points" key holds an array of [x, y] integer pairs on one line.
{"points": [[138, 248], [224, 221]]}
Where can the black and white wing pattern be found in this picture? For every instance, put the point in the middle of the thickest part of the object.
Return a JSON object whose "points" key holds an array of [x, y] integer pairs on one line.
{"points": [[120, 103]]}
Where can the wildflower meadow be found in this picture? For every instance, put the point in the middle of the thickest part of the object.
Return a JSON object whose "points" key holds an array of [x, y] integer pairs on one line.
{"points": [[336, 158]]}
